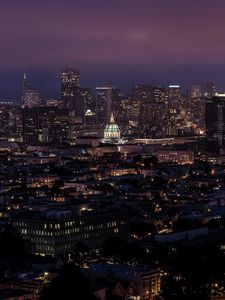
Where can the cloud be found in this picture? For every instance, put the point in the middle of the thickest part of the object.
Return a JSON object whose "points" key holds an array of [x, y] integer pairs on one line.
{"points": [[146, 35]]}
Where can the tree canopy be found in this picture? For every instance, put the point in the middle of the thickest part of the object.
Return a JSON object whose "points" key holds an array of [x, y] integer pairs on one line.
{"points": [[69, 284]]}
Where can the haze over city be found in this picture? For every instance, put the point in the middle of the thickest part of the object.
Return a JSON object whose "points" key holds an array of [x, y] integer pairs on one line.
{"points": [[124, 42]]}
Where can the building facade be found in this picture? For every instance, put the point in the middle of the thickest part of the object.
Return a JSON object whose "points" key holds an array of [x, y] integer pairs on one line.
{"points": [[215, 122], [103, 104], [57, 234], [44, 124], [70, 85]]}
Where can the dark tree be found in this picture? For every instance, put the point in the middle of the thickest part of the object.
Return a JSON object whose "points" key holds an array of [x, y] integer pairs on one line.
{"points": [[69, 284], [12, 247]]}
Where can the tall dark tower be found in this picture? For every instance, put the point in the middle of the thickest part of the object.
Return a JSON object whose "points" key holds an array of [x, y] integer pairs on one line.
{"points": [[25, 82], [30, 97], [103, 104], [70, 86], [215, 122], [26, 87], [210, 89]]}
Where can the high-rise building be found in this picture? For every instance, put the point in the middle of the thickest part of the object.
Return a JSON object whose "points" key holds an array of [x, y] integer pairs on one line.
{"points": [[103, 104], [176, 113], [174, 92], [148, 110], [195, 105], [195, 91], [31, 98], [25, 88], [141, 106], [210, 89], [89, 106], [25, 83], [4, 122], [45, 124], [70, 86], [76, 105], [215, 122]]}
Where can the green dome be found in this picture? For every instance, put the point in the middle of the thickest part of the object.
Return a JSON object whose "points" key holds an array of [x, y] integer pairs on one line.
{"points": [[112, 130]]}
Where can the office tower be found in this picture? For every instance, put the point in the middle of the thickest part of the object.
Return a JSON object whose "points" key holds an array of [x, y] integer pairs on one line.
{"points": [[76, 105], [10, 123], [174, 92], [195, 91], [177, 112], [15, 124], [196, 109], [25, 83], [148, 110], [160, 95], [103, 104], [67, 230], [210, 89], [31, 98], [215, 122], [89, 106], [4, 121], [25, 88], [45, 125], [70, 86]]}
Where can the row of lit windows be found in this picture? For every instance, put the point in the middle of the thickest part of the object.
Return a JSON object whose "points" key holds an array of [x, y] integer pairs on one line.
{"points": [[66, 231], [111, 224], [35, 229]]}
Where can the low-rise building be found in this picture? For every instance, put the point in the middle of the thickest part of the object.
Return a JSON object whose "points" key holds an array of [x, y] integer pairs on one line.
{"points": [[132, 282], [179, 157]]}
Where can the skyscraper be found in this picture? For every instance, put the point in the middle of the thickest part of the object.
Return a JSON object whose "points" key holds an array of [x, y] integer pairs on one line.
{"points": [[70, 86], [215, 122], [195, 91], [89, 106], [175, 111], [195, 105], [174, 92], [210, 89], [30, 97], [103, 104], [25, 87], [25, 82], [45, 124]]}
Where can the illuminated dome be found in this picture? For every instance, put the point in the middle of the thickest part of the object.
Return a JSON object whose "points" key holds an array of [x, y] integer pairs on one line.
{"points": [[89, 113], [112, 131]]}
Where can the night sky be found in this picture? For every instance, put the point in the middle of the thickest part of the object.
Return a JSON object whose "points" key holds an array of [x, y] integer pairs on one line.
{"points": [[118, 41]]}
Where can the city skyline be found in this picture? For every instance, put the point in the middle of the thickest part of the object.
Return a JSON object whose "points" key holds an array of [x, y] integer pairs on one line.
{"points": [[122, 43], [112, 150], [49, 84]]}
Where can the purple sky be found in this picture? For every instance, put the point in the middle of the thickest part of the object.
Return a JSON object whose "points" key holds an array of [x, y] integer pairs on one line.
{"points": [[152, 41]]}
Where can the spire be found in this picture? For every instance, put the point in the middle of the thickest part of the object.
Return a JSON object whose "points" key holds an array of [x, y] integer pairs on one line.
{"points": [[25, 82], [112, 120]]}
